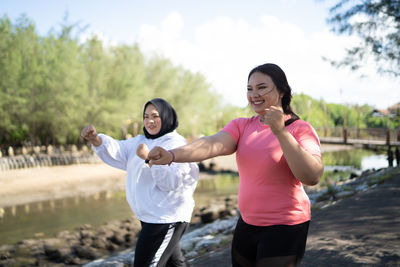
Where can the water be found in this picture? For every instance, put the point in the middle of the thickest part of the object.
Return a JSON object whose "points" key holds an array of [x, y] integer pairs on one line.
{"points": [[45, 219], [374, 161]]}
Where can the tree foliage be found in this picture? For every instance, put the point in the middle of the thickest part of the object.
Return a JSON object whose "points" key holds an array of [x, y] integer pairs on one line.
{"points": [[52, 86], [377, 23]]}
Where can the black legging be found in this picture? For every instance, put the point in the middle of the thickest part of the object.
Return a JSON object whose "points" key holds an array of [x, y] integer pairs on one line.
{"points": [[275, 245], [158, 245]]}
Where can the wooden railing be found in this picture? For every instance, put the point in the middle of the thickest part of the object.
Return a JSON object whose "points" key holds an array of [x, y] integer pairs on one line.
{"points": [[365, 136]]}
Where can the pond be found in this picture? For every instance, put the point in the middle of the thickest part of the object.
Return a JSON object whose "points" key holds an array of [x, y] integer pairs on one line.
{"points": [[339, 165], [45, 219]]}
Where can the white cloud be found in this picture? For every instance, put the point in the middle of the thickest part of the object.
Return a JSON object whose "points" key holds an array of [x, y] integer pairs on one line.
{"points": [[225, 49]]}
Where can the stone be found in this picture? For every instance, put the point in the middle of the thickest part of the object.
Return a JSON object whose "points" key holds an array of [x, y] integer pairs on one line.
{"points": [[86, 252], [118, 238], [100, 242], [10, 151], [344, 194], [74, 149]]}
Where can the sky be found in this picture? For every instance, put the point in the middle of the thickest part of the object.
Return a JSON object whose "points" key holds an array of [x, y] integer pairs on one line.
{"points": [[224, 40]]}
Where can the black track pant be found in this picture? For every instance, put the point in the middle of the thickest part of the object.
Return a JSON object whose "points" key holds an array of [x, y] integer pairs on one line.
{"points": [[158, 245], [275, 245]]}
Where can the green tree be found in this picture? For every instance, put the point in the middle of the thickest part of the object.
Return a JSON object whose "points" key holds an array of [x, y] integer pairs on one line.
{"points": [[53, 85], [62, 89], [310, 110], [19, 50], [377, 23], [188, 92]]}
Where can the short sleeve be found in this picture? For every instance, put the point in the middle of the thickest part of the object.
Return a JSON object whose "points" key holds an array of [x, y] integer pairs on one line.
{"points": [[233, 128], [307, 138]]}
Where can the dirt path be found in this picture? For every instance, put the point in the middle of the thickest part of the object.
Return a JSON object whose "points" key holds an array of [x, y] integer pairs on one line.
{"points": [[363, 230]]}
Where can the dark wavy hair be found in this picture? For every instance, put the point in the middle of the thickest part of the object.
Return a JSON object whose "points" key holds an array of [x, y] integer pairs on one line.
{"points": [[279, 78]]}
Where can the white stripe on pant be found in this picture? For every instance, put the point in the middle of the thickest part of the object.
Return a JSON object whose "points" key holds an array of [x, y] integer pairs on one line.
{"points": [[163, 246], [158, 244]]}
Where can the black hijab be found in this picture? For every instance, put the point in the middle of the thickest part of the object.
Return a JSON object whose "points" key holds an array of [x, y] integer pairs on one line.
{"points": [[169, 119]]}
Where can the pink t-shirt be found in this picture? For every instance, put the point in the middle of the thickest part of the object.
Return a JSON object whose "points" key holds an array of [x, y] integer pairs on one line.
{"points": [[269, 193]]}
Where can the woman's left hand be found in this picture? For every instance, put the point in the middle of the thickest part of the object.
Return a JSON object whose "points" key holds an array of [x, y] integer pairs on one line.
{"points": [[274, 118]]}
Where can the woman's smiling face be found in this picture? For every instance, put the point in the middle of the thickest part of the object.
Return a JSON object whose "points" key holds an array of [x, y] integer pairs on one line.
{"points": [[262, 93], [152, 120]]}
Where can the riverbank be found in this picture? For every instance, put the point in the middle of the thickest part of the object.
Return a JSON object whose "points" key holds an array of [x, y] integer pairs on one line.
{"points": [[118, 237], [24, 186], [363, 209]]}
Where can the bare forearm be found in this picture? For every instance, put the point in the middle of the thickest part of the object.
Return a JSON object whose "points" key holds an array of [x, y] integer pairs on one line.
{"points": [[305, 167], [199, 150]]}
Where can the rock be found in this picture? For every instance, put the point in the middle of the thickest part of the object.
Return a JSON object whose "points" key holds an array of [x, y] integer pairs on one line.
{"points": [[29, 242], [10, 151], [209, 216], [118, 238], [86, 233], [86, 252], [191, 254], [100, 242], [214, 212], [344, 194], [50, 149], [87, 242], [130, 237], [353, 175], [207, 242], [362, 187], [57, 254], [112, 247], [74, 148], [5, 255], [188, 243], [8, 262]]}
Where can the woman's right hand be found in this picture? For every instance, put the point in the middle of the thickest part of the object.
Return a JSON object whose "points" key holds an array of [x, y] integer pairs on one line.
{"points": [[142, 151], [160, 156], [89, 133]]}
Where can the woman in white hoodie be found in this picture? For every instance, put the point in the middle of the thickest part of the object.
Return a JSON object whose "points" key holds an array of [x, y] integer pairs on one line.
{"points": [[161, 197]]}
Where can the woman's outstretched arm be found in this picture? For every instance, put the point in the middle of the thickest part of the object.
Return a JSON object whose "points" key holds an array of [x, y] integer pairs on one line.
{"points": [[201, 149]]}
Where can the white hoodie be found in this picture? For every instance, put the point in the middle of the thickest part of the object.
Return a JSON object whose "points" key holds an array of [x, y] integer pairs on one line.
{"points": [[160, 194]]}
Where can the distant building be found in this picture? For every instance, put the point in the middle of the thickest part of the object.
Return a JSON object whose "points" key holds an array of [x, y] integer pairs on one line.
{"points": [[380, 113], [395, 109], [391, 112]]}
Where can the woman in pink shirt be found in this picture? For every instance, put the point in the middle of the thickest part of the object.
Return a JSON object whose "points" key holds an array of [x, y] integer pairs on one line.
{"points": [[276, 154]]}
